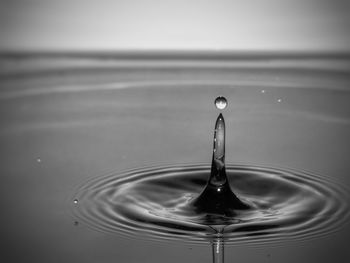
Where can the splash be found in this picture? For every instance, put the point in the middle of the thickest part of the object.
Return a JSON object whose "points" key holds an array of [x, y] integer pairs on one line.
{"points": [[237, 204], [217, 197]]}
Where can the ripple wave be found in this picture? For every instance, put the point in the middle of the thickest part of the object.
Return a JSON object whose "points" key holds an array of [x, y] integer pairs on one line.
{"points": [[155, 203]]}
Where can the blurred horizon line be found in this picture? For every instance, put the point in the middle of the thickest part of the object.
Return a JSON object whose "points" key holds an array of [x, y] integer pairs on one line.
{"points": [[176, 53]]}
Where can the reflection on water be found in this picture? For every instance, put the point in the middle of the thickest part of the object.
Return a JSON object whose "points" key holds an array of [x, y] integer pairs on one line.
{"points": [[218, 250]]}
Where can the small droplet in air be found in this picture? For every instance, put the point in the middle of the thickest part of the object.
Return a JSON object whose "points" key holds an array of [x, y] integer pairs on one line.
{"points": [[75, 201], [220, 102], [38, 160], [263, 91], [279, 100]]}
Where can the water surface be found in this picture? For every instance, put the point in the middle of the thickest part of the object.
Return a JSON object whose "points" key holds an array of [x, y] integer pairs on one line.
{"points": [[64, 126]]}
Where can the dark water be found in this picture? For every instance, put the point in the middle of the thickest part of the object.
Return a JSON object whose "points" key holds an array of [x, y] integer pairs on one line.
{"points": [[150, 123]]}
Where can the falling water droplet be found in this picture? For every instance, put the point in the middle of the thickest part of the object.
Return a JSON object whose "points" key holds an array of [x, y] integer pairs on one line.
{"points": [[220, 102], [75, 201], [279, 100], [38, 160]]}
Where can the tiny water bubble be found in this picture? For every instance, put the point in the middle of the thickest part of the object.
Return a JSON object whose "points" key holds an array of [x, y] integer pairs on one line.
{"points": [[220, 102], [38, 160], [75, 201]]}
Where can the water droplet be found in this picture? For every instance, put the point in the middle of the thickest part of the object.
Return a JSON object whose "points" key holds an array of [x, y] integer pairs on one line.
{"points": [[75, 201], [279, 100], [220, 102], [38, 160], [263, 91]]}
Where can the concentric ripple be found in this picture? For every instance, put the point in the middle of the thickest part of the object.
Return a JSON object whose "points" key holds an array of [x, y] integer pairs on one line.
{"points": [[155, 203]]}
